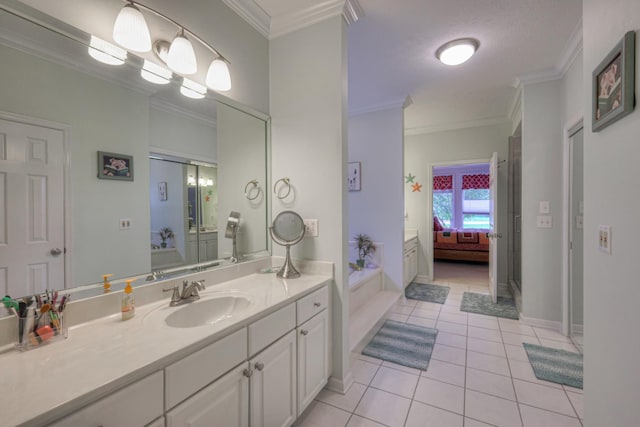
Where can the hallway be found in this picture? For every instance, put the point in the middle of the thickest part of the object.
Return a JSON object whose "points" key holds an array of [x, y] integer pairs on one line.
{"points": [[479, 375]]}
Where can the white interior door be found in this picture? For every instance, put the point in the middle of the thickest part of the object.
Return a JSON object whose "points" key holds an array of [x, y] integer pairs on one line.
{"points": [[31, 208], [493, 241]]}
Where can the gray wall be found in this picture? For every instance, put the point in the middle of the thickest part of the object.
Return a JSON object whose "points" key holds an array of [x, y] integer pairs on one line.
{"points": [[612, 348], [421, 151], [376, 140]]}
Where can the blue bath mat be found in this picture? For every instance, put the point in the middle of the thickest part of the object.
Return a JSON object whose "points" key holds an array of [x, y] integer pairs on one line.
{"points": [[482, 304], [427, 292], [402, 343], [555, 365]]}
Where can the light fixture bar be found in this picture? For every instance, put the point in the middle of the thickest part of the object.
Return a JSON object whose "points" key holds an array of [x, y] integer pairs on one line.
{"points": [[180, 26]]}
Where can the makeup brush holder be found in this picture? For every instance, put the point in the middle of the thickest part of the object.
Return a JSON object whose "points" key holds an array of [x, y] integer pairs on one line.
{"points": [[34, 334]]}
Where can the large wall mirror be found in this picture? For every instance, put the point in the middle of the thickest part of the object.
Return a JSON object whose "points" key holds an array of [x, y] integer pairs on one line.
{"points": [[191, 163]]}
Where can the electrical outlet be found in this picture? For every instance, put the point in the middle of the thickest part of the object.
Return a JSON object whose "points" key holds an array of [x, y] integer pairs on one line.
{"points": [[544, 221], [125, 223], [604, 239], [311, 227]]}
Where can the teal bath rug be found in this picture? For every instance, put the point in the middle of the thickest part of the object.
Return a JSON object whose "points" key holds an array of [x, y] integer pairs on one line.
{"points": [[430, 293], [557, 366], [482, 304], [403, 343]]}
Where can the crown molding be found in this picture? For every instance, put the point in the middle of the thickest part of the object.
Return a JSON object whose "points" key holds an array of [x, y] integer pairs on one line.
{"points": [[253, 14], [572, 48], [391, 105], [516, 104], [276, 26], [492, 121], [168, 107]]}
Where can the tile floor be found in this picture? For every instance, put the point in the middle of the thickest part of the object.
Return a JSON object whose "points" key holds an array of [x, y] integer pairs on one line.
{"points": [[479, 375]]}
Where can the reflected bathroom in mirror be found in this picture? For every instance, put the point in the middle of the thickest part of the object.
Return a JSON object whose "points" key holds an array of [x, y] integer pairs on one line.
{"points": [[63, 107]]}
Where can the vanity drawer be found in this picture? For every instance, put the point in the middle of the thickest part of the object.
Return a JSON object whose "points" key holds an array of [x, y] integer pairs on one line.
{"points": [[135, 405], [195, 371], [268, 329], [312, 304]]}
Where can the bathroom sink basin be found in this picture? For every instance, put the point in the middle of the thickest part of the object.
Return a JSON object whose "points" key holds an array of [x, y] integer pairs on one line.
{"points": [[207, 311]]}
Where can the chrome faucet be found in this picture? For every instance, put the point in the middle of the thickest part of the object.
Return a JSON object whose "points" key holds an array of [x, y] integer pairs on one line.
{"points": [[189, 292]]}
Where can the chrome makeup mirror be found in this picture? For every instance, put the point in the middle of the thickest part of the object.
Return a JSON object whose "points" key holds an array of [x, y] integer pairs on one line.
{"points": [[287, 230]]}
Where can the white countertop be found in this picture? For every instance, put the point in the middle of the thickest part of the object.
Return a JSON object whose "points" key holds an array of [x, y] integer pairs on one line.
{"points": [[410, 234], [104, 355]]}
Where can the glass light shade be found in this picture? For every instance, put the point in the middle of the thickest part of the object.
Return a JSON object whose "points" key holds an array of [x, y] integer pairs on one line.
{"points": [[457, 51], [209, 182], [131, 31], [154, 73], [191, 89], [105, 52], [218, 77], [181, 57]]}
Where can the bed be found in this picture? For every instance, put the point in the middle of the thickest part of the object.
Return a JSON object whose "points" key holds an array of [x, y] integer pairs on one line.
{"points": [[461, 245]]}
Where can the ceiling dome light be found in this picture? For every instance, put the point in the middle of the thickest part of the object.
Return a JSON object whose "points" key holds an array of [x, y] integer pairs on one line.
{"points": [[131, 31], [105, 52], [457, 51], [181, 57], [154, 73], [193, 90], [218, 77]]}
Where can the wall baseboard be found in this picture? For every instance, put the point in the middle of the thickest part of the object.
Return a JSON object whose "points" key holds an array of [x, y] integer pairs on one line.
{"points": [[340, 385], [542, 323]]}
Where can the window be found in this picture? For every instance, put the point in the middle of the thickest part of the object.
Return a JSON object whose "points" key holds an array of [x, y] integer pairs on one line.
{"points": [[461, 196]]}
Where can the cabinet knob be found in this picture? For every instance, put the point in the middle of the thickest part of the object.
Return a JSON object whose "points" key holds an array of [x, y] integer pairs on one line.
{"points": [[247, 372], [316, 304], [259, 366], [304, 332]]}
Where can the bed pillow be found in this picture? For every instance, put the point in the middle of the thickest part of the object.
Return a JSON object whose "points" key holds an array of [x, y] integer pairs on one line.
{"points": [[437, 225]]}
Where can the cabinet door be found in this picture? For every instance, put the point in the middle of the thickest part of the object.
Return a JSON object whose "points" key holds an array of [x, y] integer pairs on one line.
{"points": [[273, 384], [413, 263], [313, 358], [224, 403], [406, 279]]}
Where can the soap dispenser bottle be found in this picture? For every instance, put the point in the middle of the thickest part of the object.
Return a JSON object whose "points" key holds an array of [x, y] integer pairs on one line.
{"points": [[128, 302], [106, 285]]}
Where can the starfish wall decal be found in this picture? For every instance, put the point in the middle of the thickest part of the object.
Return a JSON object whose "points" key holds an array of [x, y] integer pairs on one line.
{"points": [[409, 178], [416, 187]]}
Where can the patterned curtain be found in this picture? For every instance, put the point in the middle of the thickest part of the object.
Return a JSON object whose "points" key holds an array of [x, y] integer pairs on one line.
{"points": [[443, 182], [479, 181]]}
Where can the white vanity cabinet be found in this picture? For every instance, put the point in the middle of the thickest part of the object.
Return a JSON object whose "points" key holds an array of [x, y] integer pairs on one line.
{"points": [[313, 346], [410, 261], [136, 405], [223, 403], [273, 384]]}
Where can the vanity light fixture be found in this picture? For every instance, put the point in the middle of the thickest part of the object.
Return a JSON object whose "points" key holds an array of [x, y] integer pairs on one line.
{"points": [[191, 89], [154, 73], [130, 29], [179, 55], [105, 52], [457, 51]]}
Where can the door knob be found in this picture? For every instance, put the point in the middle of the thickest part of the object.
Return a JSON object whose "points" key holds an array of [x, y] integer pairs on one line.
{"points": [[259, 366], [55, 252], [304, 332]]}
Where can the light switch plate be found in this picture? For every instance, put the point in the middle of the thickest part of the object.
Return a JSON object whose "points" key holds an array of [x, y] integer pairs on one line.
{"points": [[311, 227], [604, 239], [544, 221], [544, 206], [124, 223]]}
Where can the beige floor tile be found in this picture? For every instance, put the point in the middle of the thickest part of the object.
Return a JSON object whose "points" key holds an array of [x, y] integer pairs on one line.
{"points": [[489, 383], [383, 407], [486, 362], [543, 397], [320, 414], [394, 381], [357, 421], [347, 401], [445, 372], [493, 410], [535, 417], [449, 354], [441, 395], [421, 415]]}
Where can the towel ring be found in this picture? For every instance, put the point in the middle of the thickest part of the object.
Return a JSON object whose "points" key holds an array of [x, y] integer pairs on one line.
{"points": [[247, 190], [287, 182]]}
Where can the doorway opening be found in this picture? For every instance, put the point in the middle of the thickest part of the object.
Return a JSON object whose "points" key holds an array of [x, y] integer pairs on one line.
{"points": [[461, 207]]}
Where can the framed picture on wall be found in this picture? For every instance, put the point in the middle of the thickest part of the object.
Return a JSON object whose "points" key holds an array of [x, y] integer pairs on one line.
{"points": [[115, 166], [613, 84], [162, 191], [354, 176]]}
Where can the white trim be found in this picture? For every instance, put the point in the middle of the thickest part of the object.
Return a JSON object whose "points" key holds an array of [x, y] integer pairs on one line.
{"points": [[391, 105], [352, 12], [67, 205], [572, 49], [566, 220], [253, 14], [182, 155], [298, 19], [167, 107], [542, 323], [456, 126], [340, 385], [516, 105]]}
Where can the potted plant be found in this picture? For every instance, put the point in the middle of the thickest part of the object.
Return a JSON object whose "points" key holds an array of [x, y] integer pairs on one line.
{"points": [[165, 234], [365, 248]]}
